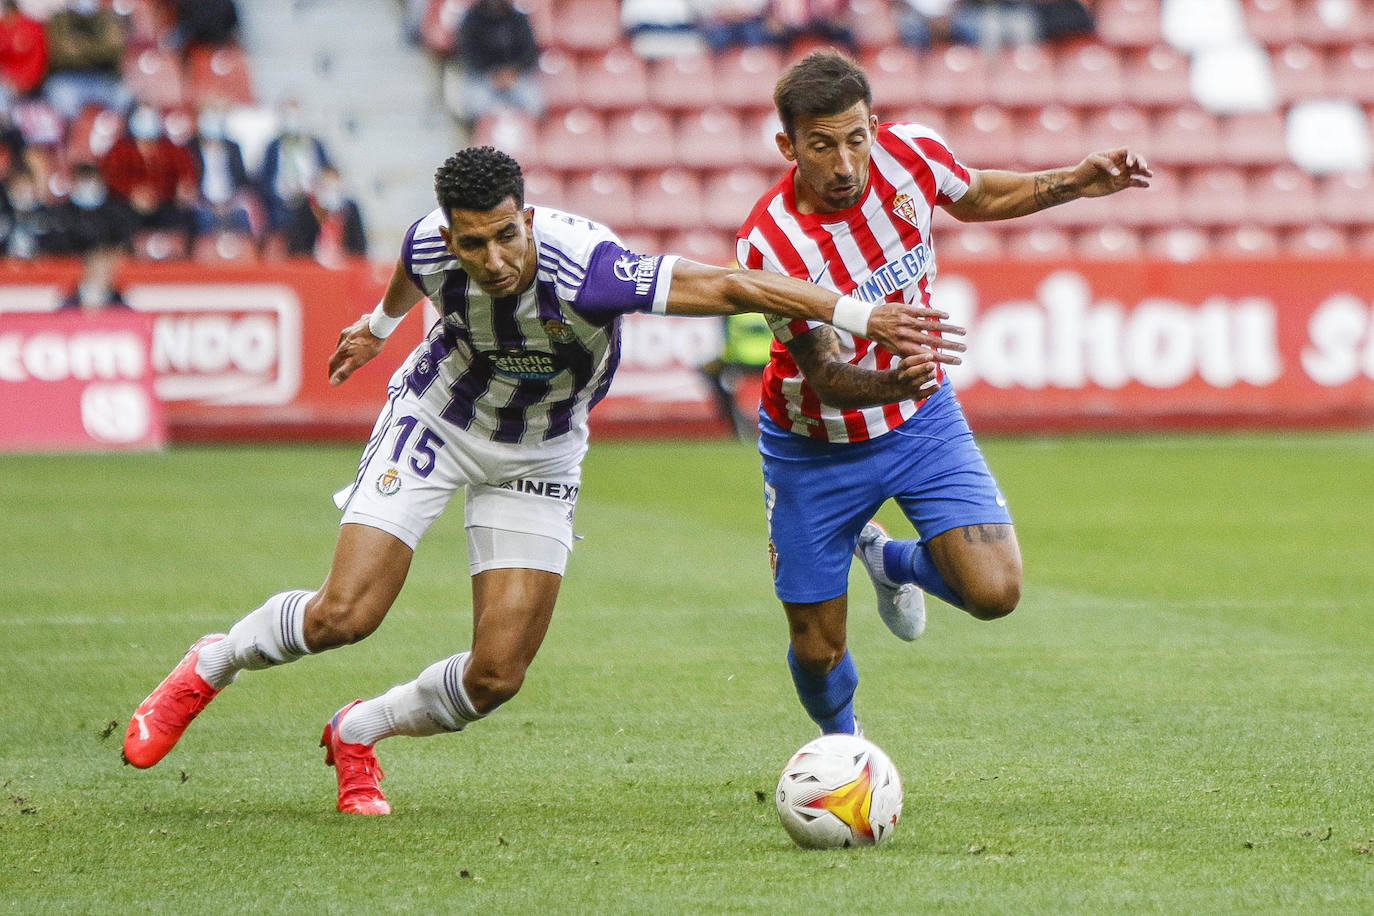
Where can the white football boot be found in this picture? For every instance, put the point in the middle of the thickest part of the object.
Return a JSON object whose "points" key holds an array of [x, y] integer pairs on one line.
{"points": [[902, 607]]}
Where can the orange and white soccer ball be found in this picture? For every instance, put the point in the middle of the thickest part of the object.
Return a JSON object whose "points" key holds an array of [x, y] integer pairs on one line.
{"points": [[839, 790]]}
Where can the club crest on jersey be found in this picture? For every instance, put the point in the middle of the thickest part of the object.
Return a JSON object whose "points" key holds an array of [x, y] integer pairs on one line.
{"points": [[389, 483], [904, 205], [639, 269], [559, 332]]}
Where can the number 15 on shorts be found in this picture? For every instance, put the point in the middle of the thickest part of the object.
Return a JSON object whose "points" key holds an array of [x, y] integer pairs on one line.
{"points": [[423, 455]]}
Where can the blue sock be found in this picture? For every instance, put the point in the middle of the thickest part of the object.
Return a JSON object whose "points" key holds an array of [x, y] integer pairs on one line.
{"points": [[827, 698], [910, 561]]}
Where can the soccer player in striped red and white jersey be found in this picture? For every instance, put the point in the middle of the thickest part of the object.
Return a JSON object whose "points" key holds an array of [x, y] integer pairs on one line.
{"points": [[842, 431]]}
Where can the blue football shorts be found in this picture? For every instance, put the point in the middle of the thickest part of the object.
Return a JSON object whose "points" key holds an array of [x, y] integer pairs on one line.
{"points": [[818, 495]]}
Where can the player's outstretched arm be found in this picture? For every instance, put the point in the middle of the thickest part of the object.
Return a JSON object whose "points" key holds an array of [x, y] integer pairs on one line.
{"points": [[996, 194], [839, 383], [364, 339], [902, 329]]}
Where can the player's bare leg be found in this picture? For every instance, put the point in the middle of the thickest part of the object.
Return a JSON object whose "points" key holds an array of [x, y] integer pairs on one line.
{"points": [[822, 668], [982, 566], [511, 611], [369, 569]]}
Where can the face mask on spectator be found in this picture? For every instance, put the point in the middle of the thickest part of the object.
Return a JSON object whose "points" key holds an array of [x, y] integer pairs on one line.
{"points": [[88, 194], [144, 125]]}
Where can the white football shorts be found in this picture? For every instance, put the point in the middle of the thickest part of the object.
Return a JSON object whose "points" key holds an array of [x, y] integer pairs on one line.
{"points": [[415, 461]]}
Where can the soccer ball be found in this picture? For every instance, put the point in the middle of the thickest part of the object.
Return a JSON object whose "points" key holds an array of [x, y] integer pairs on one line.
{"points": [[839, 790]]}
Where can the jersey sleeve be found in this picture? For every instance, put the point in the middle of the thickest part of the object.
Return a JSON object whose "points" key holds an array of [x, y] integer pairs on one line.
{"points": [[423, 251], [619, 281], [952, 178]]}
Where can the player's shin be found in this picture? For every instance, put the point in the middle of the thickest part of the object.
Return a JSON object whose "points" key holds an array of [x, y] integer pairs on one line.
{"points": [[828, 698], [911, 561], [434, 702], [274, 634]]}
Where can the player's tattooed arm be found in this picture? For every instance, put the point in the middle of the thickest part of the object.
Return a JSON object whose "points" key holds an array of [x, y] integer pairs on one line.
{"points": [[841, 384]]}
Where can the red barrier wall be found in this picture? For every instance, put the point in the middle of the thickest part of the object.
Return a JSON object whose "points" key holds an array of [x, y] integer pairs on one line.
{"points": [[1052, 346]]}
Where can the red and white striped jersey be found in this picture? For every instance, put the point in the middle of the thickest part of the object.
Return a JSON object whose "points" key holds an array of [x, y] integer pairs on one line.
{"points": [[877, 250]]}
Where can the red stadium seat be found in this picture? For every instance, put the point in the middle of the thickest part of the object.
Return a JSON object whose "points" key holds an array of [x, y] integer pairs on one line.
{"points": [[895, 76], [1284, 196], [1187, 136], [1271, 22], [1089, 75], [544, 188], [956, 75], [225, 248], [574, 140], [604, 196], [1109, 243], [971, 242], [1039, 243], [760, 144], [617, 79], [439, 24], [1180, 244], [219, 75], [159, 245], [730, 196], [585, 25], [513, 131], [1157, 78], [1350, 73], [560, 79], [1347, 198], [1022, 76], [1217, 197], [640, 139], [1299, 73], [1164, 203], [1052, 136], [873, 24], [1254, 139], [1315, 241], [712, 138], [986, 139], [1332, 24], [925, 115], [1362, 240], [668, 200], [154, 76], [707, 246], [1115, 127], [91, 134], [744, 77], [1129, 23], [643, 241], [682, 81], [1248, 241]]}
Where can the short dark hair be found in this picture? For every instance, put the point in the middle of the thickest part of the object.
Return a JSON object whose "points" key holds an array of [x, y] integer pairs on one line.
{"points": [[478, 178], [824, 82]]}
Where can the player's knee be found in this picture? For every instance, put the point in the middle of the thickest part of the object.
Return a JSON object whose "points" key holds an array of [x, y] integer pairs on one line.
{"points": [[489, 687], [994, 597], [335, 619]]}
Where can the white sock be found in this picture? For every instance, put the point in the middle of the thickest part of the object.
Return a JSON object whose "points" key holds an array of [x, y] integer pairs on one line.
{"points": [[434, 702], [274, 634]]}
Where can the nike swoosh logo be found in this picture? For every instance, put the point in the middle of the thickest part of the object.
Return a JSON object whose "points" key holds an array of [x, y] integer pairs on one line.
{"points": [[142, 726]]}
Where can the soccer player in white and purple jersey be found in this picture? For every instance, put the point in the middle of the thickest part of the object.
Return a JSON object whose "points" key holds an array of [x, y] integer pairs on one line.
{"points": [[841, 430], [493, 402]]}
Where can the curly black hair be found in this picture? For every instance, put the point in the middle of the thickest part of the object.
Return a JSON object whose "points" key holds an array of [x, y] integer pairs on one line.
{"points": [[478, 178]]}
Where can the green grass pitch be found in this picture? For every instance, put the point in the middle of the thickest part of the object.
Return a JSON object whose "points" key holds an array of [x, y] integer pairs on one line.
{"points": [[1176, 720]]}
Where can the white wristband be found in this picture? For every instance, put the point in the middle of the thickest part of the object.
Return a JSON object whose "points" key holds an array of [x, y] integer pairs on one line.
{"points": [[380, 323], [851, 315]]}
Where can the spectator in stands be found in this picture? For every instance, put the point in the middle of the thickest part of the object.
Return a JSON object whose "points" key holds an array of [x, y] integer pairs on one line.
{"points": [[1056, 19], [205, 23], [326, 225], [225, 190], [26, 225], [12, 145], [154, 175], [733, 23], [85, 49], [92, 216], [498, 56], [23, 51], [96, 290], [925, 23], [815, 20], [290, 165], [661, 28]]}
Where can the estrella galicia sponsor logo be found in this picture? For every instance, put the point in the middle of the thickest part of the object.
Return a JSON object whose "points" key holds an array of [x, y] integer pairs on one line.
{"points": [[525, 365], [898, 273], [559, 332], [389, 483], [639, 269], [553, 489]]}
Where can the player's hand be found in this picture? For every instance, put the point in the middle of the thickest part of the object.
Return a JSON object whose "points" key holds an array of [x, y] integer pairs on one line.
{"points": [[357, 345], [1115, 170], [904, 329], [919, 373]]}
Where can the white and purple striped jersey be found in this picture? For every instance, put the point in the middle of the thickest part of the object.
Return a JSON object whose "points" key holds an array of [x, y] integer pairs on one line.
{"points": [[528, 367]]}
